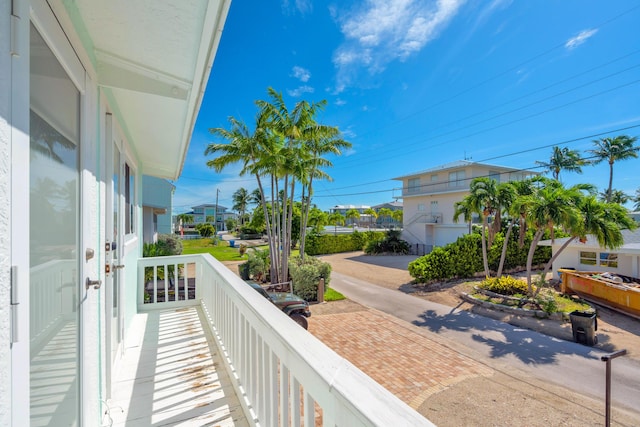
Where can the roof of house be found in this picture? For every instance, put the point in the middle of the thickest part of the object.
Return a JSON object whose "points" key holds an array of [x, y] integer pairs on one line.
{"points": [[631, 243], [394, 204], [153, 60], [462, 164], [210, 205]]}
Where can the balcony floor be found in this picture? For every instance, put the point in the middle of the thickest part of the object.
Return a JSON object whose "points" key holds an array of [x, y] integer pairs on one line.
{"points": [[172, 374]]}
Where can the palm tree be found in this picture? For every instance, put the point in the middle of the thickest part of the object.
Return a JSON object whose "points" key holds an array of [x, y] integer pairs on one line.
{"points": [[353, 214], [602, 220], [241, 200], [385, 213], [372, 215], [563, 159], [335, 219], [551, 205], [482, 199], [507, 194], [612, 149], [397, 216], [636, 200], [616, 196]]}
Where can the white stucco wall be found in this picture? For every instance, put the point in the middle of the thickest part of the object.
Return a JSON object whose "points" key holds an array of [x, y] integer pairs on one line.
{"points": [[5, 232]]}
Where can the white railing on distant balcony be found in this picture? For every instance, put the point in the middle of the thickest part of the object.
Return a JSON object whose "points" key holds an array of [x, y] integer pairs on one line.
{"points": [[425, 218], [283, 375], [435, 187]]}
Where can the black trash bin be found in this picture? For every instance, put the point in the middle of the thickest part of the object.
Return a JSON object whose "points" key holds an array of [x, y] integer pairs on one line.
{"points": [[584, 326]]}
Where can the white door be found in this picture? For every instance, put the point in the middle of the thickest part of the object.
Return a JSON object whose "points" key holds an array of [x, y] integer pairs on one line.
{"points": [[113, 250], [54, 240]]}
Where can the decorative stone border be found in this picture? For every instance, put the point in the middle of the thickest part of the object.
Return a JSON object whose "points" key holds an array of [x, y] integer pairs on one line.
{"points": [[540, 314]]}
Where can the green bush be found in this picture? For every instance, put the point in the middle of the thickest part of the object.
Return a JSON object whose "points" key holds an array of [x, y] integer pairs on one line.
{"points": [[206, 230], [305, 276], [465, 255], [391, 243], [321, 244], [258, 265], [434, 266], [505, 285], [167, 244]]}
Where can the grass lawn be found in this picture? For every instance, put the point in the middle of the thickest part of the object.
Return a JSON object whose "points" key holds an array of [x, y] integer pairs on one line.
{"points": [[221, 251], [333, 295]]}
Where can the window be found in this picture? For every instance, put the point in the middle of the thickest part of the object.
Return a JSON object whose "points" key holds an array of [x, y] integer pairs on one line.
{"points": [[608, 260], [414, 185], [421, 207], [588, 258], [129, 200], [456, 179], [434, 206], [434, 178], [495, 175]]}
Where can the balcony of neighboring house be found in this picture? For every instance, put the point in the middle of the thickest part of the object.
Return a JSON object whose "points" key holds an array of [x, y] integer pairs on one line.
{"points": [[425, 218], [206, 349], [418, 189]]}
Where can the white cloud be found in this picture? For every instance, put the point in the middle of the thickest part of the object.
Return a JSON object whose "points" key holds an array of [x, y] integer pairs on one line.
{"points": [[300, 90], [302, 6], [340, 102], [582, 37], [301, 74], [382, 31]]}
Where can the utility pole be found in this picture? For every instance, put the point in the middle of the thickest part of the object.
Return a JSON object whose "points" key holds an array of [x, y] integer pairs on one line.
{"points": [[215, 212]]}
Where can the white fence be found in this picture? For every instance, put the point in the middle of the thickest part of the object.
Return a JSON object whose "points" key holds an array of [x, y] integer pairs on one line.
{"points": [[283, 375]]}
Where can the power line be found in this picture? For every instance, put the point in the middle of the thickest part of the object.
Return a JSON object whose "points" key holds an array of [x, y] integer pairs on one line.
{"points": [[595, 135]]}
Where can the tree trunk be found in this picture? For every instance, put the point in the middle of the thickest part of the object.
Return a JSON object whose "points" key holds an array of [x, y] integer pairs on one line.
{"points": [[504, 249], [485, 259], [610, 181], [534, 244], [548, 265]]}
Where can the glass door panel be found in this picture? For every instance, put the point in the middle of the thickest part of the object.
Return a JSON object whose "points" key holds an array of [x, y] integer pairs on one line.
{"points": [[54, 240]]}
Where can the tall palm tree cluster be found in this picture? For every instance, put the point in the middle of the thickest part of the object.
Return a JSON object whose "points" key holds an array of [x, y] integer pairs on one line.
{"points": [[541, 204], [608, 150], [285, 151]]}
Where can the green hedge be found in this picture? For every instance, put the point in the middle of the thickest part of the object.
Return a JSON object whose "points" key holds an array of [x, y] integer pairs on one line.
{"points": [[322, 244], [463, 258]]}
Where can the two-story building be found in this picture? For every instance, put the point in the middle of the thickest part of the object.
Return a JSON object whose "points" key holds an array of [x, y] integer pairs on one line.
{"points": [[429, 197], [205, 213]]}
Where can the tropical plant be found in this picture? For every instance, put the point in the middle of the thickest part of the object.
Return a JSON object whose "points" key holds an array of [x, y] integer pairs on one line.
{"points": [[385, 213], [335, 219], [611, 150], [616, 196], [285, 149], [205, 229], [482, 199], [397, 215], [372, 215], [241, 199], [185, 218], [636, 200], [352, 214], [563, 159]]}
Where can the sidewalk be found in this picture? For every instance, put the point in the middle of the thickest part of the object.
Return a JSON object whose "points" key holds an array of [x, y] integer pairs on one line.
{"points": [[443, 380]]}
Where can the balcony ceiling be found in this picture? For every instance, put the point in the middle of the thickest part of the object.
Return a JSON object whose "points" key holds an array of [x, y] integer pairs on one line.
{"points": [[152, 58]]}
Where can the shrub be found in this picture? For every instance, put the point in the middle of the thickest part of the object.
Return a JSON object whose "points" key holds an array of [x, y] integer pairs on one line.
{"points": [[505, 285], [321, 244], [258, 265], [434, 266], [205, 230], [391, 243], [305, 275], [167, 244]]}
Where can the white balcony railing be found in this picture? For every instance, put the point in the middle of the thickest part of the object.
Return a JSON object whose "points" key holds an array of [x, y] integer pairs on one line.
{"points": [[282, 374]]}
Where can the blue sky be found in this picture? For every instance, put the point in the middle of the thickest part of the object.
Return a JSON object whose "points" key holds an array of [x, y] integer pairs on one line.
{"points": [[414, 84]]}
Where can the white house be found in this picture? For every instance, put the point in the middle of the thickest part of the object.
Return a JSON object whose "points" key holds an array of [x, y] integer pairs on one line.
{"points": [[157, 205], [589, 256], [94, 95], [429, 197]]}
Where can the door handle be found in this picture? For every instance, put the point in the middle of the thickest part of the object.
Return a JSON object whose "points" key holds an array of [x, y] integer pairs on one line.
{"points": [[95, 283], [117, 266]]}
